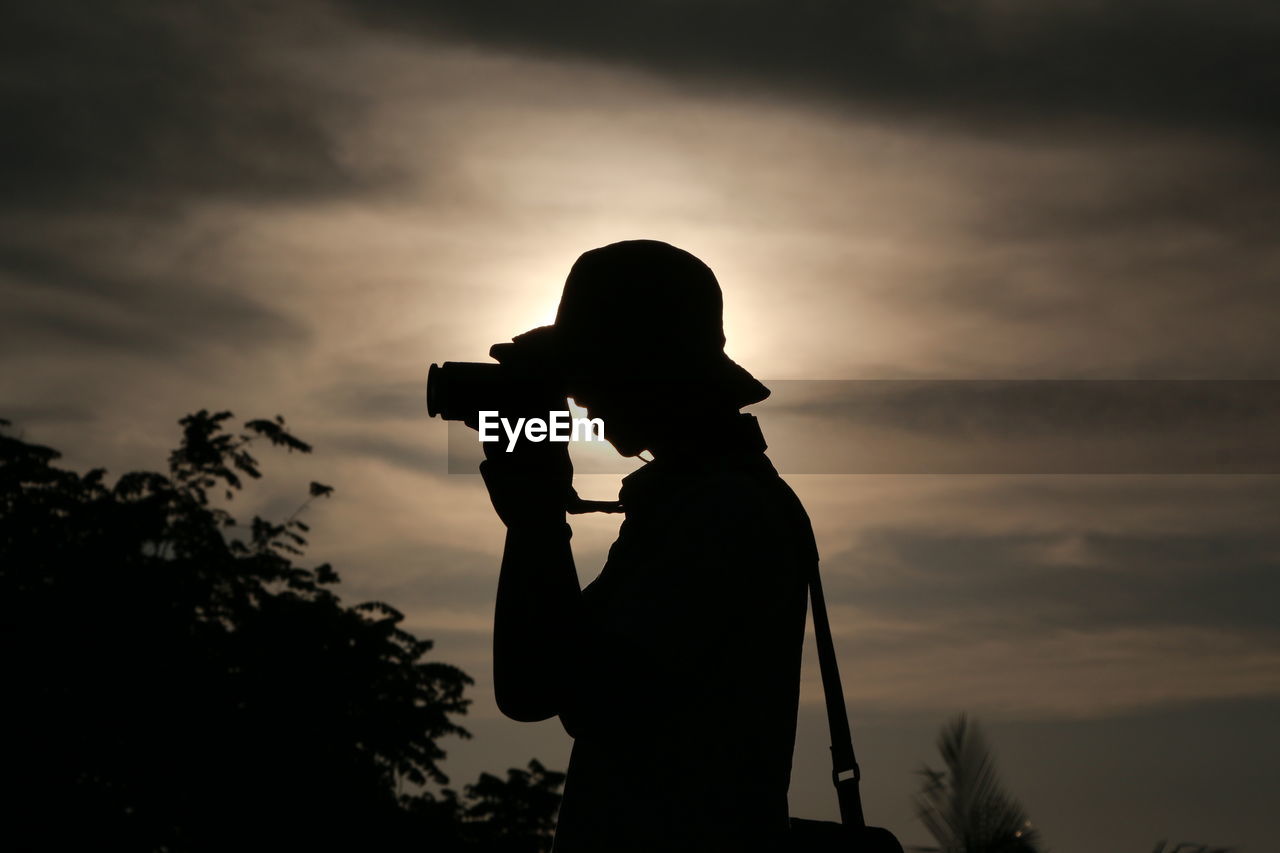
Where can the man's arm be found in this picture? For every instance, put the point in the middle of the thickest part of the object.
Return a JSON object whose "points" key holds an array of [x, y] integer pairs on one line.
{"points": [[538, 619], [537, 622]]}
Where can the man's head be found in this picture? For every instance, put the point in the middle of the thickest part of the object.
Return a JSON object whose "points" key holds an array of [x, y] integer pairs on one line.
{"points": [[640, 333]]}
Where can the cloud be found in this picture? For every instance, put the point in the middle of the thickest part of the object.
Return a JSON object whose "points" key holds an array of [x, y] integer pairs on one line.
{"points": [[126, 126], [374, 400], [1025, 427], [90, 302], [405, 456], [1186, 64], [1011, 583], [139, 104], [1007, 190], [1036, 408]]}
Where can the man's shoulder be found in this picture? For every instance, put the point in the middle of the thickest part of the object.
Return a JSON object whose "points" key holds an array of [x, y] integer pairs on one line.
{"points": [[741, 494], [754, 505]]}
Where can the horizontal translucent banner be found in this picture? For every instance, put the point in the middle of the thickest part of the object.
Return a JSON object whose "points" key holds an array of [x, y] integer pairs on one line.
{"points": [[991, 427]]}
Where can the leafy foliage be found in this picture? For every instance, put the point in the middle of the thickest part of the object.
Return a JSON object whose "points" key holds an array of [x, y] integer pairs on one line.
{"points": [[965, 807], [177, 683], [516, 815]]}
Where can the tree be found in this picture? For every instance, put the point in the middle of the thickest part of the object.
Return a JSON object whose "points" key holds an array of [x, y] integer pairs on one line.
{"points": [[965, 807], [175, 682], [516, 815]]}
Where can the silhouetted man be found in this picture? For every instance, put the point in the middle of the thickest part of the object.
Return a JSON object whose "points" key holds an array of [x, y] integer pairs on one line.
{"points": [[677, 670]]}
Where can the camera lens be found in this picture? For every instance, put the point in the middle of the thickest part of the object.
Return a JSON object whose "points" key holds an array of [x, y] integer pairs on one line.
{"points": [[435, 376]]}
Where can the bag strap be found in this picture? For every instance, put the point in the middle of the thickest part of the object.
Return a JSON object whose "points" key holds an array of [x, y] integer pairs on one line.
{"points": [[845, 774]]}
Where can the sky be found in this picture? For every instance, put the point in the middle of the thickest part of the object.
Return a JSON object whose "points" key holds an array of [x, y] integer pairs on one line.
{"points": [[295, 207]]}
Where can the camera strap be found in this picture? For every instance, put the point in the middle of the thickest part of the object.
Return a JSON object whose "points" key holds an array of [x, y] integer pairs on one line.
{"points": [[845, 774], [580, 506]]}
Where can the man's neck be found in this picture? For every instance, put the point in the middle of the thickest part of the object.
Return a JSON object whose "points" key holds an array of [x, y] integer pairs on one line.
{"points": [[710, 435]]}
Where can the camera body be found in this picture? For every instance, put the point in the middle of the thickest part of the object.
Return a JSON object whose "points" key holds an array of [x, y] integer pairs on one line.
{"points": [[526, 375]]}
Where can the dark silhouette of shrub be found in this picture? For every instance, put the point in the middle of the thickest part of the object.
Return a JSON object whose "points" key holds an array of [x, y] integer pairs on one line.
{"points": [[515, 815], [175, 682]]}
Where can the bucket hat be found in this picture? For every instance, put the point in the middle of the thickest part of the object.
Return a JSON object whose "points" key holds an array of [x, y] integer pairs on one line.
{"points": [[652, 313]]}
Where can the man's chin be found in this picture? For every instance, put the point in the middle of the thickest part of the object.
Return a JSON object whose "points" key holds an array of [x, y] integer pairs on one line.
{"points": [[626, 448]]}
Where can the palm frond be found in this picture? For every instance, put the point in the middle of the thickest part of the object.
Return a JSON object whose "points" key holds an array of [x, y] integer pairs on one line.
{"points": [[965, 806]]}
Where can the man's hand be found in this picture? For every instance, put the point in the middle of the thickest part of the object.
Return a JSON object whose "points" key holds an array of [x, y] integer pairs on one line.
{"points": [[531, 485]]}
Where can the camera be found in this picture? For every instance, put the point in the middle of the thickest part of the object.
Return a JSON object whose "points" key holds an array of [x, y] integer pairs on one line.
{"points": [[527, 369]]}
